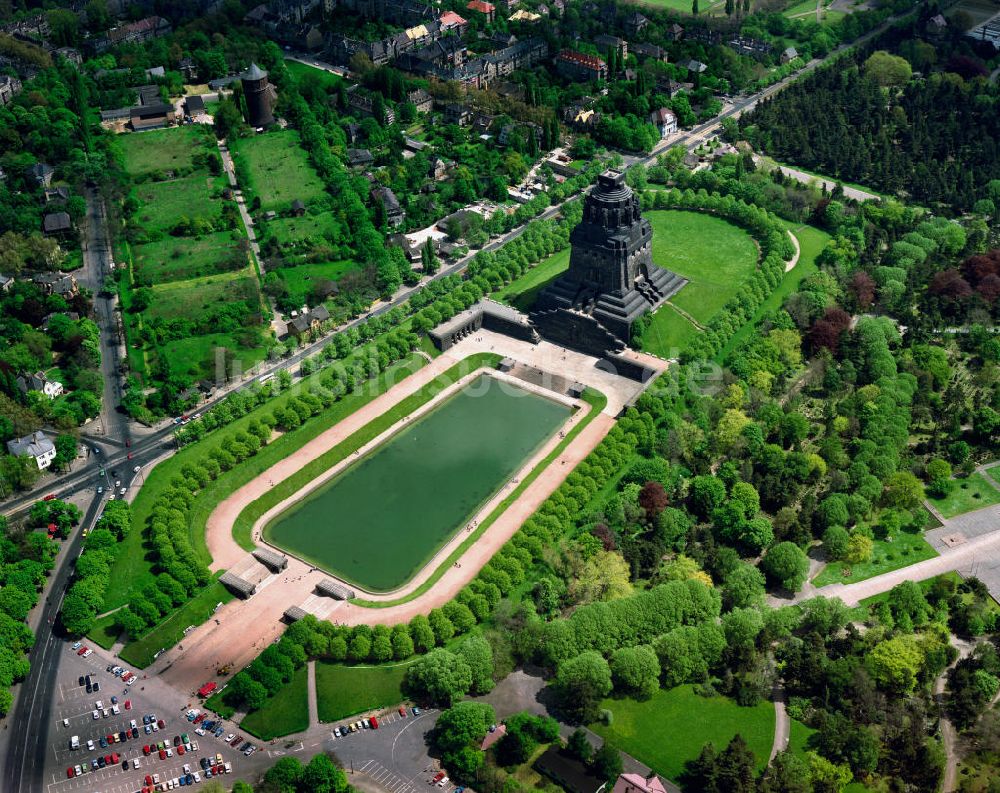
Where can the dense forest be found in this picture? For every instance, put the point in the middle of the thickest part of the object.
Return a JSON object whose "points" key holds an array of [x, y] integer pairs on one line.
{"points": [[922, 124]]}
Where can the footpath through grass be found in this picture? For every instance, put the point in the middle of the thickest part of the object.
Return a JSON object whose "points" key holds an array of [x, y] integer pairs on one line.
{"points": [[973, 492], [285, 713], [597, 401], [343, 691], [904, 549], [670, 729]]}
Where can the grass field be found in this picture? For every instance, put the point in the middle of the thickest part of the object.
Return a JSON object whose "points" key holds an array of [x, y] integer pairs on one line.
{"points": [[279, 169], [973, 492], [993, 473], [105, 632], [521, 292], [189, 299], [713, 254], [811, 244], [181, 258], [162, 150], [301, 277], [342, 691], [198, 356], [905, 549], [798, 737], [285, 713], [167, 633], [668, 332], [165, 203], [297, 229], [303, 71], [664, 732], [132, 569]]}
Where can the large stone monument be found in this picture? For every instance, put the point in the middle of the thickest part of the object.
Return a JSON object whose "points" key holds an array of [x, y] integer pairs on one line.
{"points": [[260, 96], [611, 280]]}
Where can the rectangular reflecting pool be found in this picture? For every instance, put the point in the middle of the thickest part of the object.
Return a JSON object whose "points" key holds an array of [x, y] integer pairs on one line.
{"points": [[384, 517]]}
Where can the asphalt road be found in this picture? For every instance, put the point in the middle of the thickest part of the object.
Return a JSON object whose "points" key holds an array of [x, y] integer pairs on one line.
{"points": [[27, 726]]}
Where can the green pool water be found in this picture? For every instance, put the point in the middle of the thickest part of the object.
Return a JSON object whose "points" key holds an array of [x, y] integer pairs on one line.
{"points": [[381, 519]]}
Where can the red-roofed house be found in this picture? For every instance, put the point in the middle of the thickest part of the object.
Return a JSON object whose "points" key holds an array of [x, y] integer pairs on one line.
{"points": [[451, 21], [580, 67], [486, 9], [635, 783]]}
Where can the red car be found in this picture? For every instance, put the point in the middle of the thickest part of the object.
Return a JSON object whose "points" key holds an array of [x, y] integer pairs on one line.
{"points": [[82, 650], [199, 717], [148, 780], [49, 497], [145, 750], [128, 704], [402, 711], [115, 758], [181, 749], [160, 724], [163, 754], [70, 773]]}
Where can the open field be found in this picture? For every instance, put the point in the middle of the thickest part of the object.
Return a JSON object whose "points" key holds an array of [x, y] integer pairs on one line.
{"points": [[302, 72], [165, 203], [198, 356], [301, 278], [278, 169], [664, 732], [161, 150], [285, 713], [474, 440], [713, 254], [182, 258], [167, 633], [798, 737], [973, 492], [811, 244], [668, 333], [521, 293], [342, 691], [297, 229], [905, 549], [189, 299]]}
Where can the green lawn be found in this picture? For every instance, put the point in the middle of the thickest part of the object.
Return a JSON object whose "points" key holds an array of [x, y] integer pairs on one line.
{"points": [[303, 71], [174, 259], [301, 278], [993, 473], [668, 333], [668, 730], [905, 549], [973, 492], [714, 255], [521, 292], [132, 569], [197, 355], [343, 691], [165, 203], [297, 229], [811, 244], [798, 737], [800, 8], [105, 632], [279, 169], [285, 713], [189, 299], [198, 609], [161, 150]]}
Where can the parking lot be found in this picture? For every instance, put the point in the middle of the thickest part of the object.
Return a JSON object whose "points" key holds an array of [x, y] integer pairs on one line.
{"points": [[73, 715]]}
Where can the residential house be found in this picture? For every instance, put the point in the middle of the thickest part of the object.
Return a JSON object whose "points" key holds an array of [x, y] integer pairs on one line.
{"points": [[9, 88], [188, 68], [359, 157], [481, 123], [522, 15], [381, 52], [580, 67], [57, 224], [636, 783], [56, 195], [411, 251], [675, 32], [510, 133], [495, 733], [437, 170], [39, 382], [568, 772], [308, 321], [635, 23], [605, 42], [937, 25], [194, 105], [132, 33], [364, 104], [353, 132], [653, 51], [750, 46], [62, 284], [664, 120], [421, 100], [41, 174], [6, 282], [37, 446], [520, 55], [298, 208], [451, 21], [457, 114], [394, 214], [694, 67], [488, 10], [71, 54], [790, 54]]}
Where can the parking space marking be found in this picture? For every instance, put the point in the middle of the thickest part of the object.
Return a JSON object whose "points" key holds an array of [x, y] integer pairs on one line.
{"points": [[386, 778]]}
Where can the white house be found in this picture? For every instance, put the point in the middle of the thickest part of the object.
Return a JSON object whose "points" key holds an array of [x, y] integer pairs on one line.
{"points": [[39, 382], [664, 120], [36, 445]]}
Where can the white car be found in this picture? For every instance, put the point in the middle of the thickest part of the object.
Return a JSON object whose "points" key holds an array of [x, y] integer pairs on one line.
{"points": [[133, 724], [135, 762], [97, 715], [116, 710], [104, 712], [200, 731], [230, 737], [90, 746], [99, 704], [76, 645], [187, 768], [229, 768], [197, 777], [88, 653]]}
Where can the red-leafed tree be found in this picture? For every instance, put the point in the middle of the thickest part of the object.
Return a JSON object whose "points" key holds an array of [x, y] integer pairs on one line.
{"points": [[862, 287], [653, 499]]}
